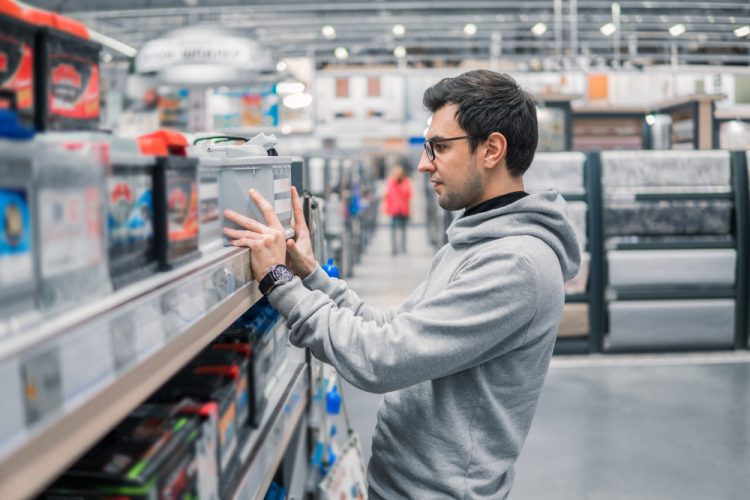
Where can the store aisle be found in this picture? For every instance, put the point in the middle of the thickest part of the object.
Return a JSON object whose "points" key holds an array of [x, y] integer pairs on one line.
{"points": [[384, 281]]}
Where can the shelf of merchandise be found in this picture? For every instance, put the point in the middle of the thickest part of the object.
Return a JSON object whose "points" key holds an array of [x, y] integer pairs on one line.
{"points": [[738, 241], [69, 380], [264, 447]]}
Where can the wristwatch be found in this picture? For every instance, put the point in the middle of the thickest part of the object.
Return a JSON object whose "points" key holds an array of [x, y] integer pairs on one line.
{"points": [[278, 275]]}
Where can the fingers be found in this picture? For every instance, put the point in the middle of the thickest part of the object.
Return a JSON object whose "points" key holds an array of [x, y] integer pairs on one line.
{"points": [[239, 234], [267, 209], [299, 216], [246, 222]]}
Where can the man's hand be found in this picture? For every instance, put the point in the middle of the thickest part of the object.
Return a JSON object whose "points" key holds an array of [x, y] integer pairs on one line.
{"points": [[266, 243], [299, 251]]}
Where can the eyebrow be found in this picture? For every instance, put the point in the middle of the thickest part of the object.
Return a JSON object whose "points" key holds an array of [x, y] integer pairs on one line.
{"points": [[438, 137]]}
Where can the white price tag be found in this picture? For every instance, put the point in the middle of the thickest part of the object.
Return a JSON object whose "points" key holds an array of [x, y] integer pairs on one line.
{"points": [[86, 361], [122, 341], [41, 379], [12, 428], [149, 331]]}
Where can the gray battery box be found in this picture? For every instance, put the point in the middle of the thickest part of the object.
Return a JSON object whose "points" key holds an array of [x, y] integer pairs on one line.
{"points": [[242, 168]]}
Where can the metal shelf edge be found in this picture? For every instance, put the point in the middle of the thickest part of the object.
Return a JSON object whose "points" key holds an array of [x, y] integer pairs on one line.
{"points": [[46, 454], [253, 446]]}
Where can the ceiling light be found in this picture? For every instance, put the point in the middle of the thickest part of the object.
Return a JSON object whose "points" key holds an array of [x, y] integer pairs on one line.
{"points": [[341, 53], [329, 32], [677, 30], [113, 44], [742, 31], [399, 30], [297, 101], [399, 52], [539, 29], [650, 119], [470, 29], [281, 66], [608, 29], [290, 87]]}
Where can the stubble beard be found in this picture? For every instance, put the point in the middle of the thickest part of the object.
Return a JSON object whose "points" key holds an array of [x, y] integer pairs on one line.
{"points": [[457, 200]]}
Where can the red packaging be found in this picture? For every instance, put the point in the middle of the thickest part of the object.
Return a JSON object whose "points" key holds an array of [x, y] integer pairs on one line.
{"points": [[17, 41]]}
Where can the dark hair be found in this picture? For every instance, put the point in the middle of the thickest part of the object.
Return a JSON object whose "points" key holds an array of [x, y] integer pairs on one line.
{"points": [[491, 102]]}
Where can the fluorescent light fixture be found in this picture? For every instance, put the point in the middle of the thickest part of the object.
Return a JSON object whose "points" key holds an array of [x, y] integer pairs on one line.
{"points": [[290, 87], [650, 119], [297, 101], [539, 29], [113, 44], [281, 66], [328, 31], [470, 29], [742, 31], [677, 30], [399, 30], [608, 29], [341, 53], [399, 52]]}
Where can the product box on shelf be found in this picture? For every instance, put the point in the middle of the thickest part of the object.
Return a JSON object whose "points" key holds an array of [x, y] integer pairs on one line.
{"points": [[151, 454], [131, 216], [208, 389], [252, 165], [209, 214], [230, 364], [18, 275], [71, 228], [175, 198], [66, 70], [17, 41]]}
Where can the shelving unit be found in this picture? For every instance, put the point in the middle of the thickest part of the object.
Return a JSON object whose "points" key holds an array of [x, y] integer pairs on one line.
{"points": [[68, 381], [672, 227], [569, 173]]}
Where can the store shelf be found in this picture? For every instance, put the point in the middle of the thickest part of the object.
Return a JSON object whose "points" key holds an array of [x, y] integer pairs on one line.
{"points": [[67, 382], [265, 447], [654, 293], [616, 195], [576, 298], [574, 197], [671, 245]]}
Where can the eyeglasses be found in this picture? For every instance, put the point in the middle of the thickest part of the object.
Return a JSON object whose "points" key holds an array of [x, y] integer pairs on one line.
{"points": [[429, 144]]}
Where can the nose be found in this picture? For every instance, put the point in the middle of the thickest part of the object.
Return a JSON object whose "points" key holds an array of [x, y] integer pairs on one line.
{"points": [[425, 165]]}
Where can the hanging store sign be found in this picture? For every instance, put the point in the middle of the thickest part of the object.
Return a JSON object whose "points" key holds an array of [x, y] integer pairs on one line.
{"points": [[206, 48]]}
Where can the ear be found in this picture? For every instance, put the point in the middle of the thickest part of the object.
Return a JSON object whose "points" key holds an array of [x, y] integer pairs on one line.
{"points": [[496, 149]]}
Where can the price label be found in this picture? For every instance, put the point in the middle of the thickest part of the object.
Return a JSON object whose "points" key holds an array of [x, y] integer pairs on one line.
{"points": [[41, 379], [122, 341], [86, 362], [12, 419]]}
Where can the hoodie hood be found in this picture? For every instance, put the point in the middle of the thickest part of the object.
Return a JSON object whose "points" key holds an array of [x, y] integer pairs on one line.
{"points": [[542, 215]]}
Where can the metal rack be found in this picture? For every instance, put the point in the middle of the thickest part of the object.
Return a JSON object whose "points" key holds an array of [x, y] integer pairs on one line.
{"points": [[72, 378]]}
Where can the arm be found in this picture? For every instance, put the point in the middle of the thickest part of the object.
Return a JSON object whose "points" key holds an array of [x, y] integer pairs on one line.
{"points": [[485, 311], [344, 297]]}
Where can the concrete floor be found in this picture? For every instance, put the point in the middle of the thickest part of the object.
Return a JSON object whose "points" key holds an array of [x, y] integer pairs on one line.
{"points": [[607, 427]]}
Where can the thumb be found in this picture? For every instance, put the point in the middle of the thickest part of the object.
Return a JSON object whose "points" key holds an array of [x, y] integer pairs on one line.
{"points": [[291, 247]]}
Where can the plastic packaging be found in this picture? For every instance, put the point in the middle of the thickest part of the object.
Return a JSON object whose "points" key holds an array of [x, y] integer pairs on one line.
{"points": [[246, 167], [71, 229]]}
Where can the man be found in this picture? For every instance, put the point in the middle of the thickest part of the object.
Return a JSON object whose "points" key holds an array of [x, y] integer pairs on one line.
{"points": [[463, 359]]}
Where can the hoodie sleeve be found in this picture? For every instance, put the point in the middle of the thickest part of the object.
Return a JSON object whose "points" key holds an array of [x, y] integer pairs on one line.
{"points": [[485, 311], [344, 297]]}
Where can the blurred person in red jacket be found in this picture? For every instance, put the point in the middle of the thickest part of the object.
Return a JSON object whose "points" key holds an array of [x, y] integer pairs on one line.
{"points": [[397, 201]]}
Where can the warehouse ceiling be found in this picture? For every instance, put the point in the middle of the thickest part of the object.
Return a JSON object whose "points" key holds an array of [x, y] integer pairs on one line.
{"points": [[543, 34]]}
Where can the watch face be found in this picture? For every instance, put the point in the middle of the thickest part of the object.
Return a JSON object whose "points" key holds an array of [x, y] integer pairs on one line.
{"points": [[282, 273]]}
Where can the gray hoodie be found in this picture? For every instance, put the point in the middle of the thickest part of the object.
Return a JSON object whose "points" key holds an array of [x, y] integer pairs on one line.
{"points": [[462, 360]]}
